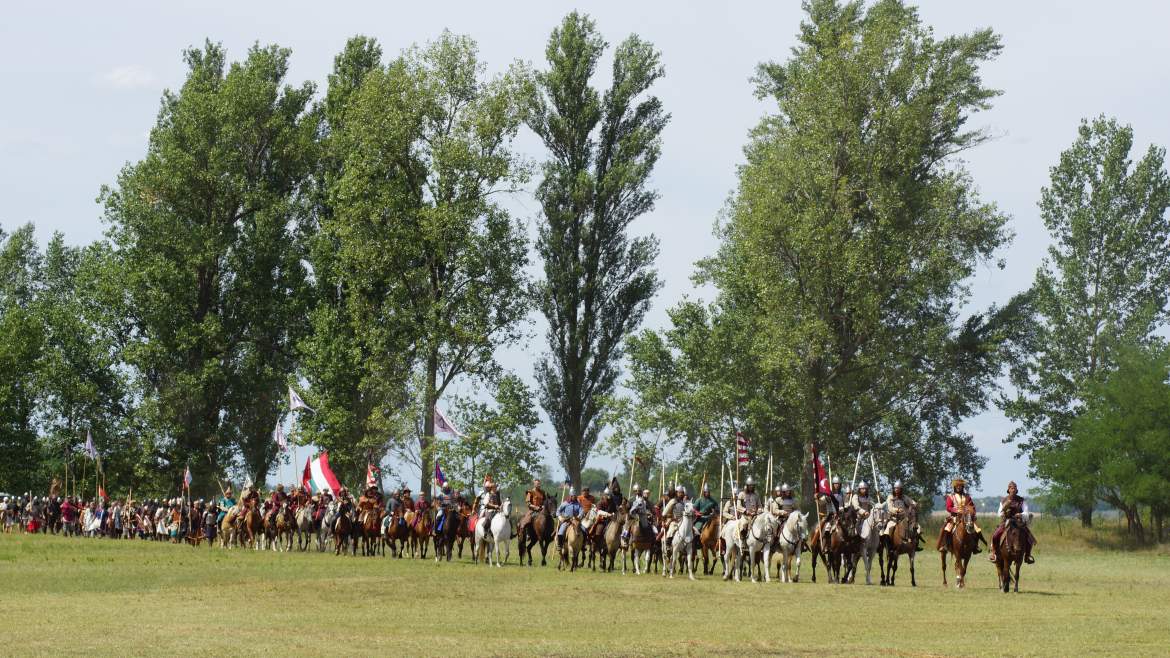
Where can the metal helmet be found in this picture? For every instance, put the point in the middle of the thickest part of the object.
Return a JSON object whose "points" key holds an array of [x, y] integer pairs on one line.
{"points": [[680, 489], [572, 491], [734, 490], [635, 488], [706, 488], [836, 480], [897, 484], [862, 485], [750, 482], [776, 489], [785, 488]]}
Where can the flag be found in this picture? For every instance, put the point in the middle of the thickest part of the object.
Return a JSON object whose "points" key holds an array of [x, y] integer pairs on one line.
{"points": [[187, 477], [741, 448], [372, 473], [822, 478], [295, 402], [278, 436], [442, 424], [307, 475], [102, 492], [89, 449], [439, 479], [321, 478]]}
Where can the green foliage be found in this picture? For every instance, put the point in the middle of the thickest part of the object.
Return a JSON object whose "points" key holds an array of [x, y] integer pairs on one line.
{"points": [[846, 252], [200, 228], [21, 349], [598, 282], [1104, 283], [1117, 446], [498, 439]]}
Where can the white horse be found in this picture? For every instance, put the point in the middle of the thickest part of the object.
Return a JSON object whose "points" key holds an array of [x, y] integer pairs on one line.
{"points": [[733, 550], [759, 540], [791, 542], [325, 532], [683, 541], [500, 532], [871, 530]]}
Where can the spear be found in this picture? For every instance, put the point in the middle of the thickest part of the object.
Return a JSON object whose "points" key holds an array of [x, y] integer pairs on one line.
{"points": [[856, 463]]}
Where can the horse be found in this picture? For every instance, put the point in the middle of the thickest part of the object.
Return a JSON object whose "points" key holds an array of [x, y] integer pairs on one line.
{"points": [[962, 545], [733, 550], [369, 530], [871, 528], [613, 537], [760, 537], [901, 540], [837, 547], [572, 545], [395, 533], [638, 537], [446, 537], [250, 527], [325, 531], [465, 530], [499, 532], [539, 530], [343, 530], [306, 526], [285, 523], [682, 541], [709, 544], [1013, 545], [790, 543], [419, 526]]}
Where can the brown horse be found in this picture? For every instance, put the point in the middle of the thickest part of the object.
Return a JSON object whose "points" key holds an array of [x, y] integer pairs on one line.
{"points": [[446, 537], [639, 539], [419, 524], [836, 549], [902, 540], [962, 544], [369, 529], [613, 537], [709, 545], [1013, 545], [286, 525], [250, 526], [538, 530], [465, 531], [573, 545], [343, 536], [395, 534]]}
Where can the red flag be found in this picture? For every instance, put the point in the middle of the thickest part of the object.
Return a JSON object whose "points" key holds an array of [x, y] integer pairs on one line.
{"points": [[819, 472], [307, 475], [102, 492], [372, 473]]}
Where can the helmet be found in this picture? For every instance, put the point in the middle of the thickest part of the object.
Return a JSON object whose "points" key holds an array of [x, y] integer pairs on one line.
{"points": [[785, 488], [836, 480], [680, 489], [862, 485], [750, 482], [897, 484], [645, 492], [777, 489], [636, 488], [706, 488], [572, 491]]}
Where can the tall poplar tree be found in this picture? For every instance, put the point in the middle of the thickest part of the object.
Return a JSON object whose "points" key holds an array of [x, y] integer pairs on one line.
{"points": [[1104, 284], [598, 282], [199, 229]]}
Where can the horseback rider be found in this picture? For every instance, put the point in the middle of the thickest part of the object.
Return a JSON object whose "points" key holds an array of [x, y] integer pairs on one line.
{"points": [[1014, 506], [446, 503], [489, 504], [861, 501], [534, 499], [728, 511], [587, 502], [226, 503], [748, 507], [672, 514], [783, 504], [828, 505], [250, 497], [569, 509], [370, 501], [705, 509], [615, 494], [638, 506], [275, 500], [901, 506], [957, 501]]}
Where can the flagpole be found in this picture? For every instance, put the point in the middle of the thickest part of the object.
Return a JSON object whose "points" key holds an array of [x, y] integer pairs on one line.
{"points": [[873, 464], [633, 460], [856, 463]]}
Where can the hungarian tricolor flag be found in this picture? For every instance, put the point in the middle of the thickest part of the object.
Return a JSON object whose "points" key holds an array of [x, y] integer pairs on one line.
{"points": [[318, 477], [820, 475]]}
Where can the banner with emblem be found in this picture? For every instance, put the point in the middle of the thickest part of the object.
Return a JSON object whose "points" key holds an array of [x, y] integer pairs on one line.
{"points": [[742, 445]]}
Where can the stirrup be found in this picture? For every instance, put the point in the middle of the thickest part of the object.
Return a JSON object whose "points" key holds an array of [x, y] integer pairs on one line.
{"points": [[1028, 559]]}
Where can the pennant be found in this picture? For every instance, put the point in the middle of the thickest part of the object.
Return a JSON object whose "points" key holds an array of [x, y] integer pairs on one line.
{"points": [[307, 475], [102, 492], [439, 478], [90, 450], [278, 436], [295, 402], [442, 424], [372, 473], [187, 478], [741, 448]]}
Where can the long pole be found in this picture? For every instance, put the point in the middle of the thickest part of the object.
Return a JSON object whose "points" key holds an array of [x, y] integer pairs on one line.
{"points": [[873, 464], [856, 463], [633, 460], [722, 471]]}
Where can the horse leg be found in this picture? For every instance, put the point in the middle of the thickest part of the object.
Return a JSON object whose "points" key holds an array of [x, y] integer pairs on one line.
{"points": [[1018, 561], [943, 556]]}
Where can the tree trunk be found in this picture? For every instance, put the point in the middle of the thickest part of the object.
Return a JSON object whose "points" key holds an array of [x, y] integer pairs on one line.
{"points": [[1087, 516], [574, 464], [426, 441], [808, 485]]}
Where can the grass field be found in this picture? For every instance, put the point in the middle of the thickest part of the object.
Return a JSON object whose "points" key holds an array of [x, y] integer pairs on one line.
{"points": [[1087, 595]]}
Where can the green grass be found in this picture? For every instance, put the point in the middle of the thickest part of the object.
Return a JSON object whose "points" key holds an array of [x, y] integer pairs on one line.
{"points": [[135, 598]]}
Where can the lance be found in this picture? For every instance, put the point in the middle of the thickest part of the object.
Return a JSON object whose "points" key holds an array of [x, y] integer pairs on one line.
{"points": [[856, 463], [873, 464]]}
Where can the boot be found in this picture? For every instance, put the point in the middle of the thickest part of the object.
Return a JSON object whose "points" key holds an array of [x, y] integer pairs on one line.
{"points": [[943, 540]]}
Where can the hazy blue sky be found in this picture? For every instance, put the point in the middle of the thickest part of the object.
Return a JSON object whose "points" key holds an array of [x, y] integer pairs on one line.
{"points": [[82, 82]]}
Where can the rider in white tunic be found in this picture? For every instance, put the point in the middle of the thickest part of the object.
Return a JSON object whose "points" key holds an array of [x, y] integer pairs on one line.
{"points": [[673, 511]]}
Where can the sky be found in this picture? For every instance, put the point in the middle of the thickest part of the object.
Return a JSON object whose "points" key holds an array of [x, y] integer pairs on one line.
{"points": [[82, 83]]}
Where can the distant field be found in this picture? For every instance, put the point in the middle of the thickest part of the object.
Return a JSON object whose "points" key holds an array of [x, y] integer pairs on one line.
{"points": [[1087, 595]]}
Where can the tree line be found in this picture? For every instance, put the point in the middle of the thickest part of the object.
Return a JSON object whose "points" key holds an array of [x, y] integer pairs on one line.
{"points": [[355, 242]]}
